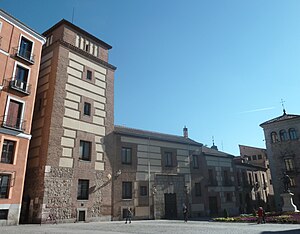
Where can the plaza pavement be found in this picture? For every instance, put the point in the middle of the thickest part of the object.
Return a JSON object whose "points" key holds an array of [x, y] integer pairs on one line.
{"points": [[154, 226]]}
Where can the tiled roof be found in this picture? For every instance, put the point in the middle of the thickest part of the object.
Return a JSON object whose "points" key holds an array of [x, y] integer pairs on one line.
{"points": [[213, 152], [280, 118], [154, 135], [249, 165]]}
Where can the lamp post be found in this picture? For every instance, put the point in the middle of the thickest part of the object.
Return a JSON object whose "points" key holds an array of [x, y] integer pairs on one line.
{"points": [[154, 191]]}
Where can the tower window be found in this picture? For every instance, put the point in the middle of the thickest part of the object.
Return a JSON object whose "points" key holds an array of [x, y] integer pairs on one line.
{"points": [[283, 135], [274, 137], [293, 134]]}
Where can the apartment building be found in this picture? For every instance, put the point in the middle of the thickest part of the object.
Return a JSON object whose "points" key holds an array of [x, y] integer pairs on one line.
{"points": [[252, 187], [20, 51], [258, 156], [283, 148], [69, 173]]}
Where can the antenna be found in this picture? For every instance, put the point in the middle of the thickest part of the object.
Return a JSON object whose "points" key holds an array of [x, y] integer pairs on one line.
{"points": [[73, 15], [213, 140], [282, 103]]}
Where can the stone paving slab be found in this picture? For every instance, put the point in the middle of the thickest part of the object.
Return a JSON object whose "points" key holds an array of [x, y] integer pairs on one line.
{"points": [[155, 226]]}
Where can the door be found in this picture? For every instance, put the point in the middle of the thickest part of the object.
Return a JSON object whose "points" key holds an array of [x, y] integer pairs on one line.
{"points": [[213, 206], [170, 206], [81, 215], [13, 118]]}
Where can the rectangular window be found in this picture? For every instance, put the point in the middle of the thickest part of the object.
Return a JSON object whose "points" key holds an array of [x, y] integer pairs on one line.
{"points": [[226, 178], [25, 49], [13, 118], [250, 179], [289, 164], [83, 190], [168, 159], [4, 185], [211, 177], [126, 155], [197, 189], [143, 190], [293, 183], [256, 178], [8, 150], [89, 75], [195, 161], [254, 157], [3, 214], [259, 157], [238, 178], [85, 150], [87, 108], [126, 190], [0, 26], [20, 81]]}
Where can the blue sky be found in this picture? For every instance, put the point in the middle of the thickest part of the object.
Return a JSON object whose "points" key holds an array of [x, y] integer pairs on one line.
{"points": [[219, 67]]}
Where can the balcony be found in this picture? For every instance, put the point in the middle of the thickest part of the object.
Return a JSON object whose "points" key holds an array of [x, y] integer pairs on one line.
{"points": [[24, 54], [13, 123], [19, 85]]}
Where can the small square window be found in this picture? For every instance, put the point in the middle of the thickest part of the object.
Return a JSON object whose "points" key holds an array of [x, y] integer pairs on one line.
{"points": [[83, 190], [254, 157], [3, 214], [143, 190], [89, 75], [85, 150], [87, 109]]}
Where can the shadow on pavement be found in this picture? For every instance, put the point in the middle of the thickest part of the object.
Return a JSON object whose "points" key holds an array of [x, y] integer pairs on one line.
{"points": [[295, 231]]}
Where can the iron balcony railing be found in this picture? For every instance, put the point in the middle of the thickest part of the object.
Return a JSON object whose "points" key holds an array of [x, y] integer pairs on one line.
{"points": [[19, 85], [24, 54], [13, 123]]}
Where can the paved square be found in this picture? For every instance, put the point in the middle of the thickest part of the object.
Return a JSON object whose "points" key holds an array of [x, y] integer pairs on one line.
{"points": [[157, 226]]}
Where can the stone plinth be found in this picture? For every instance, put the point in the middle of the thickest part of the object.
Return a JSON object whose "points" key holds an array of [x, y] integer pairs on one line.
{"points": [[288, 204]]}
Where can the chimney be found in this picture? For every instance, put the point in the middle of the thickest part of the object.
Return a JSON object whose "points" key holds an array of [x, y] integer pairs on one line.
{"points": [[185, 132]]}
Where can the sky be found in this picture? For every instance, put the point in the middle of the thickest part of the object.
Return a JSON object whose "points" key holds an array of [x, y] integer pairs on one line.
{"points": [[219, 67]]}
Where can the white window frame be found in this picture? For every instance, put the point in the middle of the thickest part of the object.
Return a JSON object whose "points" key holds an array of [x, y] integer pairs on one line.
{"points": [[16, 147], [21, 65], [1, 24], [7, 106], [20, 38]]}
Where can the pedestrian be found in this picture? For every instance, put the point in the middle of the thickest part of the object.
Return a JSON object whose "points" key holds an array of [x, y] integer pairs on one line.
{"points": [[260, 215], [128, 215], [185, 213]]}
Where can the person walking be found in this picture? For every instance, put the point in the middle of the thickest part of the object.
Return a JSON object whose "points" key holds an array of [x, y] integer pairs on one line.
{"points": [[128, 215], [185, 213], [260, 212]]}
